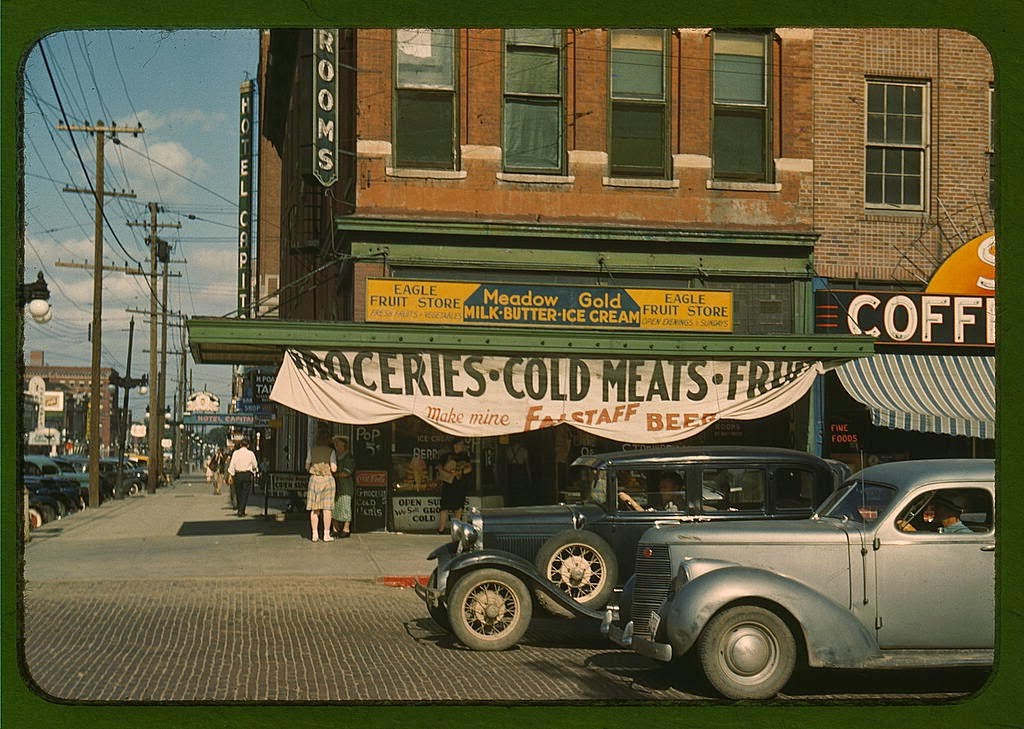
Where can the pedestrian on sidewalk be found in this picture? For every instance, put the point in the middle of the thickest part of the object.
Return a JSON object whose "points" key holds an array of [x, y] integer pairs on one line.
{"points": [[215, 467], [456, 477], [345, 487], [242, 470], [321, 464]]}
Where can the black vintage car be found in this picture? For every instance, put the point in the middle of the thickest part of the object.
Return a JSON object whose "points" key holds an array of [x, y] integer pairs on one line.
{"points": [[574, 554]]}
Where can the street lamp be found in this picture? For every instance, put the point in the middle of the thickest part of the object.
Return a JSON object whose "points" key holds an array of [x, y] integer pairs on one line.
{"points": [[126, 382], [36, 296]]}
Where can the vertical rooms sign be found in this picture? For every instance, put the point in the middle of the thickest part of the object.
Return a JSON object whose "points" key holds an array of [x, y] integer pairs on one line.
{"points": [[325, 106]]}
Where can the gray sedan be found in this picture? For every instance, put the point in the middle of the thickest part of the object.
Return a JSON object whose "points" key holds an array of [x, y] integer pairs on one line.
{"points": [[896, 570]]}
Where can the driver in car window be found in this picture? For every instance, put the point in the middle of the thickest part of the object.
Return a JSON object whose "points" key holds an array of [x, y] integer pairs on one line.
{"points": [[944, 513], [670, 485]]}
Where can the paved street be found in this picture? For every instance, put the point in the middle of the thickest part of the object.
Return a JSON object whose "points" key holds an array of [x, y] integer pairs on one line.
{"points": [[169, 597]]}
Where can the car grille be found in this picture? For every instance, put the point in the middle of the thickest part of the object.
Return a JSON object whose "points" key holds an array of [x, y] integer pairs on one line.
{"points": [[523, 546], [653, 582]]}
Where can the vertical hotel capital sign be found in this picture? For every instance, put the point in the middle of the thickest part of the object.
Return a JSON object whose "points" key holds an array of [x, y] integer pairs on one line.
{"points": [[325, 106], [245, 201]]}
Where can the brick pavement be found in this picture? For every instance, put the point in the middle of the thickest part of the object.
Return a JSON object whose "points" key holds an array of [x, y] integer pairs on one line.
{"points": [[296, 640]]}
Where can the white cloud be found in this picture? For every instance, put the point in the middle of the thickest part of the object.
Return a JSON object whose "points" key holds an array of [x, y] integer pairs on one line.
{"points": [[171, 164]]}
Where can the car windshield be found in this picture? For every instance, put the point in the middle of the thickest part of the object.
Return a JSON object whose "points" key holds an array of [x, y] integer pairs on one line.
{"points": [[586, 484], [858, 501]]}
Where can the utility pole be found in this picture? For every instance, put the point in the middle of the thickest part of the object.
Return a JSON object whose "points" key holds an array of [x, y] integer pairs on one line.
{"points": [[154, 430], [100, 130]]}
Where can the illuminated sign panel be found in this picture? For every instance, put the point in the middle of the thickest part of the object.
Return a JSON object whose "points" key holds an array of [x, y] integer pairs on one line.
{"points": [[245, 200], [325, 106], [606, 307], [909, 319]]}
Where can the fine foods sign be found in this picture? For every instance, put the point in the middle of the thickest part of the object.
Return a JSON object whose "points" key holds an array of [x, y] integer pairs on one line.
{"points": [[629, 400], [489, 304]]}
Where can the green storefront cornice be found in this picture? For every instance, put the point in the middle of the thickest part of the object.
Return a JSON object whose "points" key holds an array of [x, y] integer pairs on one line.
{"points": [[607, 263], [577, 233], [263, 341]]}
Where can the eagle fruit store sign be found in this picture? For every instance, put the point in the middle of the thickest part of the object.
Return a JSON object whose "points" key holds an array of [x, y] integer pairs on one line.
{"points": [[629, 400]]}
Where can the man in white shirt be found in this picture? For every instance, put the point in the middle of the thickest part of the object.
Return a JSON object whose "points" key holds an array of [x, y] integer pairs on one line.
{"points": [[242, 468]]}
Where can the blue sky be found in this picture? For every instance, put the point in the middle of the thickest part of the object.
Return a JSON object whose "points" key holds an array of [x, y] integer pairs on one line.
{"points": [[183, 87]]}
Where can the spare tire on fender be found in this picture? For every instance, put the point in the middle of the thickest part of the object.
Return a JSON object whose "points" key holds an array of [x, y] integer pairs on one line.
{"points": [[582, 565]]}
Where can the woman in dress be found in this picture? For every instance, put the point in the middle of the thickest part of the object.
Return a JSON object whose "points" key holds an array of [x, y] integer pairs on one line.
{"points": [[321, 464]]}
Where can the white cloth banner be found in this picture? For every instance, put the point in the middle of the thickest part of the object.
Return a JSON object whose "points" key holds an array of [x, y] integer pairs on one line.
{"points": [[628, 400]]}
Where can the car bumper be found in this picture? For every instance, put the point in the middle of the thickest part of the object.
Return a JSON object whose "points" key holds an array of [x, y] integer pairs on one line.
{"points": [[428, 594], [624, 637], [431, 593]]}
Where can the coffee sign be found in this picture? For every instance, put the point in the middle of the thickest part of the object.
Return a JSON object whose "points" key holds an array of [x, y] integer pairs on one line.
{"points": [[909, 318]]}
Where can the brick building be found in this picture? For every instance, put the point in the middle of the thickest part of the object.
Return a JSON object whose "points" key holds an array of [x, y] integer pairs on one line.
{"points": [[67, 410], [741, 164], [904, 156]]}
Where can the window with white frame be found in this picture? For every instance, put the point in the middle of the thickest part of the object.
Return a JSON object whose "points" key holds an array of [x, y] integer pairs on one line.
{"points": [[638, 129], [741, 139], [895, 158], [424, 106], [533, 111]]}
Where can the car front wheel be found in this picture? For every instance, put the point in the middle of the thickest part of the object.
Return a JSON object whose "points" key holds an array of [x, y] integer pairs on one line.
{"points": [[489, 609], [582, 565], [747, 652]]}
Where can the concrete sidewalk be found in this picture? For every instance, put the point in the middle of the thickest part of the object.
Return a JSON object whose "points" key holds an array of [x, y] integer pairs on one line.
{"points": [[186, 531]]}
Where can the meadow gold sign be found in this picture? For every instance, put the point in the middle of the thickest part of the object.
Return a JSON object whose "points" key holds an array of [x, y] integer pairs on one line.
{"points": [[487, 304]]}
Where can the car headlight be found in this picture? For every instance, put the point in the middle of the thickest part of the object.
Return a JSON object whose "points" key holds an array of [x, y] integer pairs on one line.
{"points": [[465, 535]]}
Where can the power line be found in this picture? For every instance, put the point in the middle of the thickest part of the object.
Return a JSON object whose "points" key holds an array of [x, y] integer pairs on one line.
{"points": [[46, 62]]}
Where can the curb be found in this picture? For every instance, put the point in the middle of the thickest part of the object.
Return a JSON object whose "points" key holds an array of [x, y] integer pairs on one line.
{"points": [[403, 581]]}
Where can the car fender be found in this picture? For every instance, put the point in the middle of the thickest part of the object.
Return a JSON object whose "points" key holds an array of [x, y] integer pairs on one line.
{"points": [[832, 634], [460, 564]]}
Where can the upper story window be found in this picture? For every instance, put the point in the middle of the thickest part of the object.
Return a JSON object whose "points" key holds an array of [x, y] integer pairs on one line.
{"points": [[532, 121], [638, 144], [741, 139], [896, 151], [425, 130]]}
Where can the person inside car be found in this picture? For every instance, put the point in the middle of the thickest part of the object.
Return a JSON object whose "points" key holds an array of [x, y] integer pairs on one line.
{"points": [[670, 486], [940, 514]]}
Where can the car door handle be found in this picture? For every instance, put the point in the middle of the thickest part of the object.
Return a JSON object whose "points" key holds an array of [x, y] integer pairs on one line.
{"points": [[989, 548]]}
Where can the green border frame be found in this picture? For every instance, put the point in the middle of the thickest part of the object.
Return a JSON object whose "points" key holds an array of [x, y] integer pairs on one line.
{"points": [[997, 23]]}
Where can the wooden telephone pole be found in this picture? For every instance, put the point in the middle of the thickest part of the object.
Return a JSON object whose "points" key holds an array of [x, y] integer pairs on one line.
{"points": [[100, 130], [154, 430]]}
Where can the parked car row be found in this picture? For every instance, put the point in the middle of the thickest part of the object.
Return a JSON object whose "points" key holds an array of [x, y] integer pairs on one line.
{"points": [[59, 486], [721, 555]]}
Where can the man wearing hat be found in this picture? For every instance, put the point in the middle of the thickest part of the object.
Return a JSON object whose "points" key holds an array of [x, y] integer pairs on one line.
{"points": [[947, 512], [345, 487], [943, 509]]}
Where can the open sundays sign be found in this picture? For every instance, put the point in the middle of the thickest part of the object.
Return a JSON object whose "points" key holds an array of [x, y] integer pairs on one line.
{"points": [[629, 400]]}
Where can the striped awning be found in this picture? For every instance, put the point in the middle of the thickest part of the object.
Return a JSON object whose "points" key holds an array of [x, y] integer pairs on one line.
{"points": [[949, 394]]}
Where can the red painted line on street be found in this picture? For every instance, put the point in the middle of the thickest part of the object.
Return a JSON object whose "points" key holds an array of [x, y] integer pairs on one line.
{"points": [[403, 581]]}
